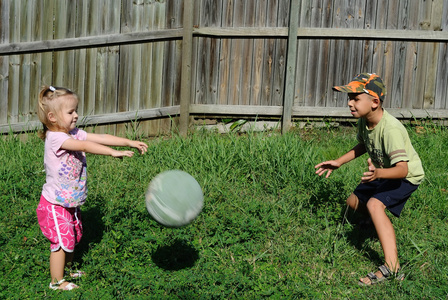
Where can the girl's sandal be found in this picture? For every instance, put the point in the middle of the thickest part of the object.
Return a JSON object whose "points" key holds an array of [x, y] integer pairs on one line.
{"points": [[57, 286], [76, 274], [387, 274]]}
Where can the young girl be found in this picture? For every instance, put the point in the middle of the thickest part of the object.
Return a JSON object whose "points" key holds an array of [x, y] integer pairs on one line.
{"points": [[65, 189]]}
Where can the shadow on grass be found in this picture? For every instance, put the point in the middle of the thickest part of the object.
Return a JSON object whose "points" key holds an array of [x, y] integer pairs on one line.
{"points": [[330, 197], [177, 256], [93, 229], [359, 233]]}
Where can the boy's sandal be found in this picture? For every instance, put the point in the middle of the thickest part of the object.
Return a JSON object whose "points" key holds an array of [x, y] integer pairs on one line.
{"points": [[56, 286], [387, 274]]}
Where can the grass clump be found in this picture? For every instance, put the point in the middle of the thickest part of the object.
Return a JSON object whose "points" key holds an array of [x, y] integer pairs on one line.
{"points": [[270, 227]]}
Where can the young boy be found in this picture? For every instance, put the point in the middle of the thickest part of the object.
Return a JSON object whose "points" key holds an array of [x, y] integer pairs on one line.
{"points": [[394, 168]]}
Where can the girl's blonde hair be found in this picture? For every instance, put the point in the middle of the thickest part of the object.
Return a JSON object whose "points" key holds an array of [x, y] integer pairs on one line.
{"points": [[48, 103]]}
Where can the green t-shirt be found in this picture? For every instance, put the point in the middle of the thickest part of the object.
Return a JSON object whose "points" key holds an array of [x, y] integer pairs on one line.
{"points": [[389, 143]]}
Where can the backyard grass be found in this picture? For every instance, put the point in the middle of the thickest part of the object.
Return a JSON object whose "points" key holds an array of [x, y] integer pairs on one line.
{"points": [[270, 228]]}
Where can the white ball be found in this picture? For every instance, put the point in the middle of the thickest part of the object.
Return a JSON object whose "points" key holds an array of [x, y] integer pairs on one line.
{"points": [[174, 198]]}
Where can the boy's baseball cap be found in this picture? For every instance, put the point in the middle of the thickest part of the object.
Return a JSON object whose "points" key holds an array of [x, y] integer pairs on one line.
{"points": [[367, 83]]}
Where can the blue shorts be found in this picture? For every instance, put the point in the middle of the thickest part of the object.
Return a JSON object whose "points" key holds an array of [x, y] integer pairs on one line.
{"points": [[393, 193]]}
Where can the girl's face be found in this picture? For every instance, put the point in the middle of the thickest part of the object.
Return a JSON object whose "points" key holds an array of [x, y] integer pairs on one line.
{"points": [[67, 115]]}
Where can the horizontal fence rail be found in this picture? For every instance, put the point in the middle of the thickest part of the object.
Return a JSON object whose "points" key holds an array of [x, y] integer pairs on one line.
{"points": [[204, 58]]}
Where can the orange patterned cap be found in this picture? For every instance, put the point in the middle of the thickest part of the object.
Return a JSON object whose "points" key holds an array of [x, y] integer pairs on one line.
{"points": [[364, 83]]}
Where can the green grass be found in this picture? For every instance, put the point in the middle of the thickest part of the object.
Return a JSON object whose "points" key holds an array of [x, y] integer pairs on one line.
{"points": [[270, 227]]}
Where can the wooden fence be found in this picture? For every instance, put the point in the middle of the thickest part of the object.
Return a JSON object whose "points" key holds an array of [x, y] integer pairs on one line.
{"points": [[156, 60]]}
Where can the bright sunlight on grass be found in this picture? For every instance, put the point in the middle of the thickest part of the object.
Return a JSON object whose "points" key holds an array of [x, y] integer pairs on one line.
{"points": [[270, 227]]}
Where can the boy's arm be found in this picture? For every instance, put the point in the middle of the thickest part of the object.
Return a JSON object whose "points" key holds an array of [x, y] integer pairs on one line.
{"points": [[397, 171], [94, 148], [355, 152], [330, 165], [111, 140]]}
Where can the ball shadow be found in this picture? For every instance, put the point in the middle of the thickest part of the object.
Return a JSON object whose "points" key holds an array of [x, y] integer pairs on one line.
{"points": [[176, 256]]}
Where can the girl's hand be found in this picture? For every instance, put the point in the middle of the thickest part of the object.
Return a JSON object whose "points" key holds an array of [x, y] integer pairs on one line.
{"points": [[371, 174], [327, 166], [142, 147], [118, 154]]}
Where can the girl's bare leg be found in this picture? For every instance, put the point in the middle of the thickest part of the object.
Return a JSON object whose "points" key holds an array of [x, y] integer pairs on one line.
{"points": [[57, 266]]}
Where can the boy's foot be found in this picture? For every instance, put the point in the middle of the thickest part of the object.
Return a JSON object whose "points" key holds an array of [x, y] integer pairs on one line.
{"points": [[383, 273], [63, 285]]}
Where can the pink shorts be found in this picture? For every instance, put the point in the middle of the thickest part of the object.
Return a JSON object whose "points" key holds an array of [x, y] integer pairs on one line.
{"points": [[60, 225]]}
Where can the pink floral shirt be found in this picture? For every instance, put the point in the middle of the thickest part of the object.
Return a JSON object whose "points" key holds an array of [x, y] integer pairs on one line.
{"points": [[66, 170]]}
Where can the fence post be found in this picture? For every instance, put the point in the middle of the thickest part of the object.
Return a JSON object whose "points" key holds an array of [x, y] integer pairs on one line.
{"points": [[185, 88], [288, 95]]}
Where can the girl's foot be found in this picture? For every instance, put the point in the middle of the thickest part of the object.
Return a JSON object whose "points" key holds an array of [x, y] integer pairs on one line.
{"points": [[63, 285], [76, 274]]}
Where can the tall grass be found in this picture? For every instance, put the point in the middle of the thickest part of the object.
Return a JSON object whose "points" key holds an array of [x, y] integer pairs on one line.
{"points": [[270, 227]]}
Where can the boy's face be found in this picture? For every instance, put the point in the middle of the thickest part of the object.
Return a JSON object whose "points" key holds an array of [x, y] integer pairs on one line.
{"points": [[361, 104]]}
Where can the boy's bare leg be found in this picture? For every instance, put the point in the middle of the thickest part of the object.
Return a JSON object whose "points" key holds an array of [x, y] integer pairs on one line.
{"points": [[386, 235], [357, 206]]}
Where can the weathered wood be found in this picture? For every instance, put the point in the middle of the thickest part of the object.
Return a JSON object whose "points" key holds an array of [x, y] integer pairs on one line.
{"points": [[124, 55], [4, 62], [442, 69], [164, 34], [112, 118], [430, 82], [291, 59], [89, 42], [185, 92], [326, 33], [305, 111]]}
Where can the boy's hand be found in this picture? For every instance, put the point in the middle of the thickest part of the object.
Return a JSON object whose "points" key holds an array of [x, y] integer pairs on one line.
{"points": [[327, 166], [371, 174], [142, 147]]}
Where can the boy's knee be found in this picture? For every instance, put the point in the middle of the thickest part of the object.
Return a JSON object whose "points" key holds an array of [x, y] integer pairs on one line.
{"points": [[374, 205], [352, 201]]}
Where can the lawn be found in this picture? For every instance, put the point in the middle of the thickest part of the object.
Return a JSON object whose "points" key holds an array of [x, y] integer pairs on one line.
{"points": [[270, 228]]}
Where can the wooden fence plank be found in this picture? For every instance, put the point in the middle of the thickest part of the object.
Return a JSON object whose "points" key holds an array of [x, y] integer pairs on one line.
{"points": [[258, 60], [302, 54], [14, 64], [247, 54], [225, 54], [4, 61], [391, 74], [410, 69], [236, 51], [433, 56], [281, 49], [291, 62], [442, 69], [187, 46]]}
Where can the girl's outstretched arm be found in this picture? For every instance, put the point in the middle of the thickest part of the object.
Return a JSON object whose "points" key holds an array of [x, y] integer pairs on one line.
{"points": [[111, 140], [94, 148]]}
